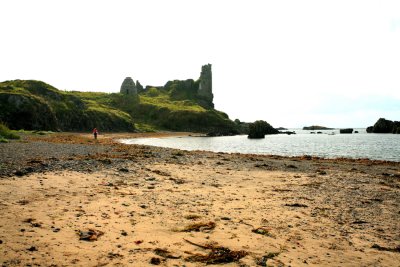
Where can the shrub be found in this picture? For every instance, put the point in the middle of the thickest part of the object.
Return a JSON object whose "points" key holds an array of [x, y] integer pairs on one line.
{"points": [[153, 92], [6, 133]]}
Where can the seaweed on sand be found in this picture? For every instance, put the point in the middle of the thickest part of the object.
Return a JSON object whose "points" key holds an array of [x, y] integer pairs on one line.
{"points": [[216, 255], [165, 254], [199, 227], [380, 248], [90, 235]]}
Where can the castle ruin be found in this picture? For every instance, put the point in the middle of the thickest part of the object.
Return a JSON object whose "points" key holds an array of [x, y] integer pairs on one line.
{"points": [[205, 87], [203, 93], [128, 87]]}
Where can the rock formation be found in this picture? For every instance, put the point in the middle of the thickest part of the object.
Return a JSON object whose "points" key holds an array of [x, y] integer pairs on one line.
{"points": [[205, 86], [259, 129], [128, 87], [385, 126], [346, 131]]}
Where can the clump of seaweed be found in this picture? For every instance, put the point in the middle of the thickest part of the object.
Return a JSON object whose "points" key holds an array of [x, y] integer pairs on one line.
{"points": [[263, 260], [90, 235], [216, 255], [262, 231], [380, 248], [165, 254], [296, 205], [192, 216], [199, 227]]}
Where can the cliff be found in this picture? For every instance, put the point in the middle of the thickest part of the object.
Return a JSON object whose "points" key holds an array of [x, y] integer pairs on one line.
{"points": [[35, 105]]}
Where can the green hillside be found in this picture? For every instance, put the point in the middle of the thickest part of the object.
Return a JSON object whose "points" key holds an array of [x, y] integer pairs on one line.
{"points": [[35, 105]]}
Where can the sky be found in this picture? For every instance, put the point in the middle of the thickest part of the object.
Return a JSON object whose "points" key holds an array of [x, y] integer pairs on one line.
{"points": [[290, 63]]}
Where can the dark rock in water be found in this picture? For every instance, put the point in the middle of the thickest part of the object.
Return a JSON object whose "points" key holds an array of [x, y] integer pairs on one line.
{"points": [[287, 132], [222, 133], [385, 126], [355, 131], [346, 131], [260, 128]]}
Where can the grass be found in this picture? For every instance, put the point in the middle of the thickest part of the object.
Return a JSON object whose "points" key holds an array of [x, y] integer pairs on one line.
{"points": [[164, 101], [145, 127], [173, 108], [6, 133]]}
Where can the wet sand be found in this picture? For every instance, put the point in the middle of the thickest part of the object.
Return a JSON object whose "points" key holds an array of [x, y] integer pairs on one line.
{"points": [[145, 206]]}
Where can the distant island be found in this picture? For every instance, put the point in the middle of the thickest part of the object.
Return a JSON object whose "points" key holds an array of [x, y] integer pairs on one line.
{"points": [[316, 127]]}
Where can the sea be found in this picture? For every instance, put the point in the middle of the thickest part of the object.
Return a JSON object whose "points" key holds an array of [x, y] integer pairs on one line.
{"points": [[325, 144]]}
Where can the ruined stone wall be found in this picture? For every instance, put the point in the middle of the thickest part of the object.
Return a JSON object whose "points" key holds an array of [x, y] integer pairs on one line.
{"points": [[205, 87], [128, 87]]}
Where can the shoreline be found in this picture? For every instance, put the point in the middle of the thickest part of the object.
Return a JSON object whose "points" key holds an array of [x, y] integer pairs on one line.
{"points": [[149, 205], [304, 156]]}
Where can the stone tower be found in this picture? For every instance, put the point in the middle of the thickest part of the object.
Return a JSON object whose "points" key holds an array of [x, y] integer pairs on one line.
{"points": [[128, 87], [205, 87]]}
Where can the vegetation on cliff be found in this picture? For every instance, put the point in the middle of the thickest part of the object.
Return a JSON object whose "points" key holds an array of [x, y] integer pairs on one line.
{"points": [[6, 133], [35, 105]]}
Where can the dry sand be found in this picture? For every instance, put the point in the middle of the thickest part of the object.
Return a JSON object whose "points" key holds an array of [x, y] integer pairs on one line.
{"points": [[168, 206]]}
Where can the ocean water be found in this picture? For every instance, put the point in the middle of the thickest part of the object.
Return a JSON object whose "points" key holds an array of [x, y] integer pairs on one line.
{"points": [[329, 144]]}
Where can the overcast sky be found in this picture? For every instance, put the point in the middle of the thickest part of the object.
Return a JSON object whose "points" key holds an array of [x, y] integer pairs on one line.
{"points": [[291, 63]]}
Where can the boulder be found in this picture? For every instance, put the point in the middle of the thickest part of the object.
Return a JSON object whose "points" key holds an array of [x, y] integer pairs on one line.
{"points": [[346, 131], [260, 128], [385, 126]]}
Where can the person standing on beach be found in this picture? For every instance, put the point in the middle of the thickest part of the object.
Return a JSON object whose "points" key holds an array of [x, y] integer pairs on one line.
{"points": [[95, 132]]}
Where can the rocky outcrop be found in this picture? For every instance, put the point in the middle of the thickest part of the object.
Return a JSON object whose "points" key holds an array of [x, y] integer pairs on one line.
{"points": [[128, 87], [385, 126], [259, 129], [346, 131]]}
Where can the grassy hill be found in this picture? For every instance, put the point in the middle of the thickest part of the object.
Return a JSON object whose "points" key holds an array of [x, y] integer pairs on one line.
{"points": [[35, 105]]}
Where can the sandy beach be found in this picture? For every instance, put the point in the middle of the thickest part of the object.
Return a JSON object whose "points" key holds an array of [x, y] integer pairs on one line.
{"points": [[68, 200]]}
